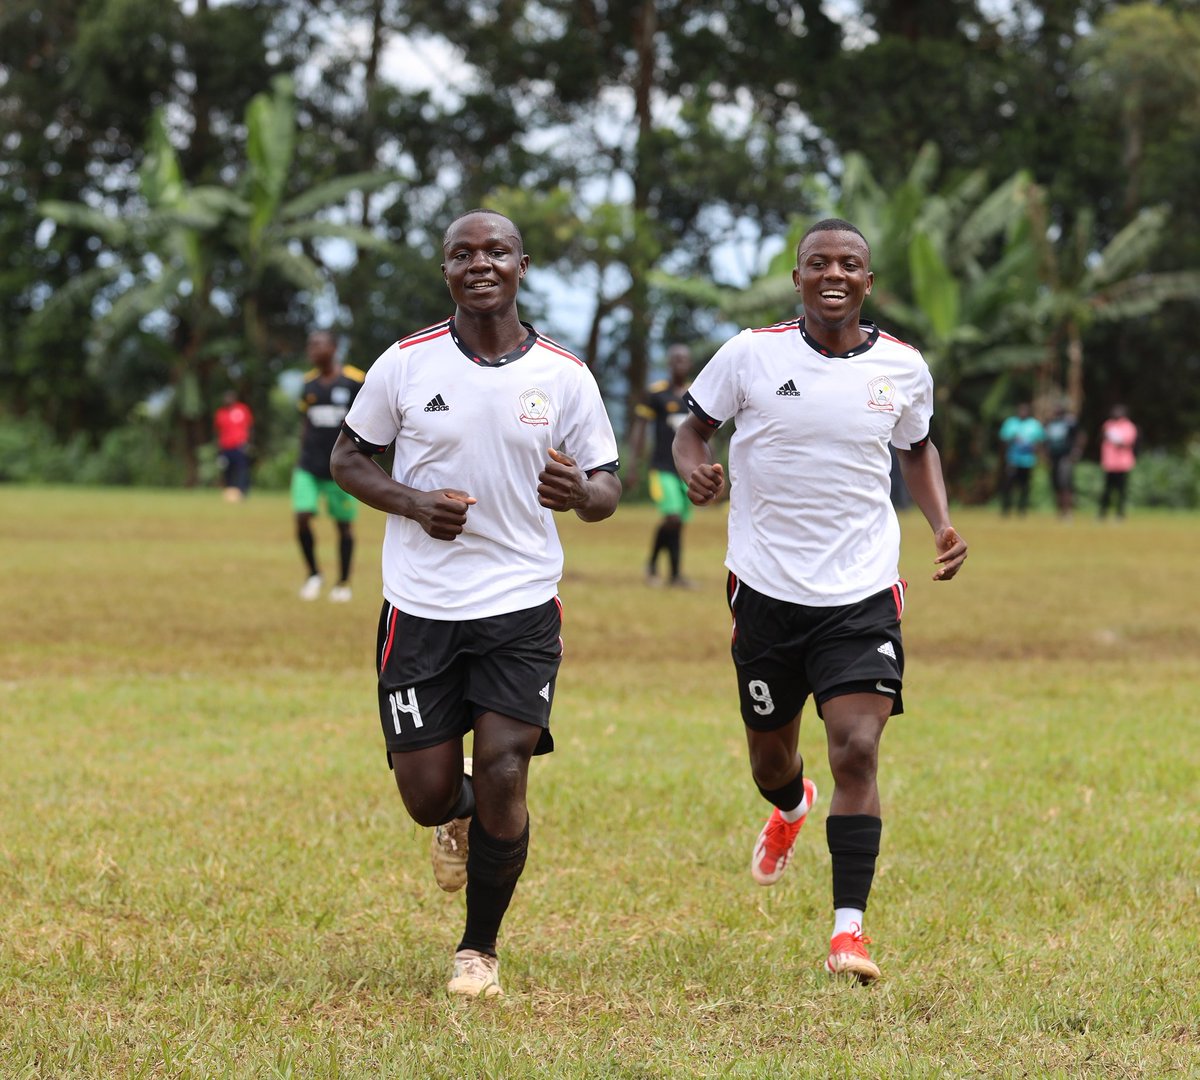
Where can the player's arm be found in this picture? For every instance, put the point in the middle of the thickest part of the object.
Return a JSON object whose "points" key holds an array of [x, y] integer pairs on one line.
{"points": [[693, 461], [563, 485], [921, 467], [442, 513]]}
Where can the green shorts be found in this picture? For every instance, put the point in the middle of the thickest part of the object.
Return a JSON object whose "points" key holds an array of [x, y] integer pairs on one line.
{"points": [[669, 493], [306, 497]]}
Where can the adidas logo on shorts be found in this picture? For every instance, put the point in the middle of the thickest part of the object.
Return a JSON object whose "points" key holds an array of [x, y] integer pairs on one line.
{"points": [[438, 404], [887, 650], [788, 389]]}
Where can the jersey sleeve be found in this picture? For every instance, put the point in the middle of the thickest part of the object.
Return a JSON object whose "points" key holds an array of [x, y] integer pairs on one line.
{"points": [[373, 420], [716, 394], [586, 433], [913, 425]]}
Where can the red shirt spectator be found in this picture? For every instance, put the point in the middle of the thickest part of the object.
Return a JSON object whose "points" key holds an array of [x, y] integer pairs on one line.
{"points": [[233, 422]]}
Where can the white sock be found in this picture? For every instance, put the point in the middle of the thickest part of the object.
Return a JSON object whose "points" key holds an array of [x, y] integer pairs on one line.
{"points": [[795, 815], [846, 919]]}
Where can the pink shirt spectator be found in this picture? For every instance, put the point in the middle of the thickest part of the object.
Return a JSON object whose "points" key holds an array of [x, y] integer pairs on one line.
{"points": [[1116, 447]]}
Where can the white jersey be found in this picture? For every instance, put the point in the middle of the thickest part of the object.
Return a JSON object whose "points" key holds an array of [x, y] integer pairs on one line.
{"points": [[810, 517], [483, 427]]}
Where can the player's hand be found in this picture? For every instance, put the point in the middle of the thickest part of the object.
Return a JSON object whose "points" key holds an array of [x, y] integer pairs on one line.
{"points": [[630, 480], [952, 550], [442, 513], [706, 484], [562, 485]]}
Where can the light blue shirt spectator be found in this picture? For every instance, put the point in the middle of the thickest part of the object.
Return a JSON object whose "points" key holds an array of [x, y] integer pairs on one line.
{"points": [[1021, 436]]}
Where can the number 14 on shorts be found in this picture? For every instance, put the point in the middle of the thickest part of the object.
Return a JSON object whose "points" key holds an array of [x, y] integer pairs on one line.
{"points": [[405, 701]]}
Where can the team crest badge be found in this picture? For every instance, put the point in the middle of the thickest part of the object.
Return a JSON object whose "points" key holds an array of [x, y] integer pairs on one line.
{"points": [[534, 407], [881, 393]]}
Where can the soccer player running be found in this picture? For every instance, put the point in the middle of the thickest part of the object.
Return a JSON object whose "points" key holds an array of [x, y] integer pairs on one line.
{"points": [[664, 407], [495, 428], [813, 551], [329, 389]]}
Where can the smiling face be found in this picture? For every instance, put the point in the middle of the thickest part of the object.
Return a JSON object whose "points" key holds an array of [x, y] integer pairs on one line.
{"points": [[833, 277], [484, 263]]}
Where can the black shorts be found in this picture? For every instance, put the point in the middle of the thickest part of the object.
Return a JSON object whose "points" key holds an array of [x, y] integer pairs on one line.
{"points": [[436, 677], [783, 652]]}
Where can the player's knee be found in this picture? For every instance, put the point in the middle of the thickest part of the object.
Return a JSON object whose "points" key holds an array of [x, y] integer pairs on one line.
{"points": [[772, 764], [854, 757], [501, 775], [430, 800]]}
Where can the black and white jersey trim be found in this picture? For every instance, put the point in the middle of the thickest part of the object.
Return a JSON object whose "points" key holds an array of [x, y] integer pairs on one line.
{"points": [[700, 413], [365, 446]]}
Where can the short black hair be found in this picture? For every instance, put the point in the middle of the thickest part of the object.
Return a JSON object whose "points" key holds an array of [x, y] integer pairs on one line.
{"points": [[832, 224], [485, 210]]}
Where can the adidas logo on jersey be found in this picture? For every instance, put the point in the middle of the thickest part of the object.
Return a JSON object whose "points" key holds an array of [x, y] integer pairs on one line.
{"points": [[788, 389], [887, 650], [438, 404]]}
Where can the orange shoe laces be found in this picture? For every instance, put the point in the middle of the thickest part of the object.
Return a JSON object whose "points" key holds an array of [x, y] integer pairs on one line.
{"points": [[852, 940]]}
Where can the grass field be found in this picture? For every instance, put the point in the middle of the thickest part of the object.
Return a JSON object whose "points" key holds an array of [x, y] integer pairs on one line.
{"points": [[205, 870]]}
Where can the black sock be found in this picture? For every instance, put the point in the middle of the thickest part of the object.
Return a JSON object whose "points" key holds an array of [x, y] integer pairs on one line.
{"points": [[787, 797], [308, 548], [493, 867], [465, 806], [674, 551], [660, 545], [345, 553], [854, 847]]}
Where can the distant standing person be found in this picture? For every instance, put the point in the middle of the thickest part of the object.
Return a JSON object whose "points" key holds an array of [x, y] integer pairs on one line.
{"points": [[1118, 443], [664, 408], [329, 390], [1062, 450], [234, 426], [1021, 435], [496, 429], [814, 544]]}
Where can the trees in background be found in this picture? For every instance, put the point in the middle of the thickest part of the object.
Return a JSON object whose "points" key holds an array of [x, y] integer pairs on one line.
{"points": [[639, 144], [188, 257]]}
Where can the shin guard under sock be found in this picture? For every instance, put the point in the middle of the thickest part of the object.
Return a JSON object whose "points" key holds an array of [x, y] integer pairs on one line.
{"points": [[493, 867], [853, 847]]}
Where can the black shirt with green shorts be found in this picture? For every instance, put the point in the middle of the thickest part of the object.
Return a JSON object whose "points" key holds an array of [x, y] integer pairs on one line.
{"points": [[324, 405]]}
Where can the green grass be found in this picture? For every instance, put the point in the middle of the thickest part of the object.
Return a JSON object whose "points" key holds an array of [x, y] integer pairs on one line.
{"points": [[205, 870]]}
